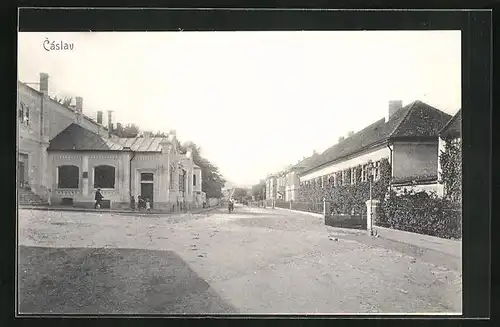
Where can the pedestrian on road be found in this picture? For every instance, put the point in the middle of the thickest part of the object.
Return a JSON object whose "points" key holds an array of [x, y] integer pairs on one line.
{"points": [[98, 199], [132, 202]]}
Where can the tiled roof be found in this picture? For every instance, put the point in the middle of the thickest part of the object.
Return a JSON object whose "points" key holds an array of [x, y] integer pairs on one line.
{"points": [[454, 126], [416, 119], [304, 163], [77, 138]]}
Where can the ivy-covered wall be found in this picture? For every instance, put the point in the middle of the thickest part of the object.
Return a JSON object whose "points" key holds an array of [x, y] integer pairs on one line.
{"points": [[451, 169], [344, 197]]}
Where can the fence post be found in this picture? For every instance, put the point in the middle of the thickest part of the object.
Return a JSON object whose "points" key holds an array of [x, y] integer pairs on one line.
{"points": [[371, 214]]}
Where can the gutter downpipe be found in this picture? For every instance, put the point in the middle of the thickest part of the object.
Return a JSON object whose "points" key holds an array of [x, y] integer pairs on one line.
{"points": [[130, 174]]}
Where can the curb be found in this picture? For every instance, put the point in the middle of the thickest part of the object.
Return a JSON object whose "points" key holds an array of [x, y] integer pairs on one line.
{"points": [[138, 213], [319, 215]]}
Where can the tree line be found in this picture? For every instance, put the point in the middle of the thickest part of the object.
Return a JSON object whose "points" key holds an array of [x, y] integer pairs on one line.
{"points": [[211, 177]]}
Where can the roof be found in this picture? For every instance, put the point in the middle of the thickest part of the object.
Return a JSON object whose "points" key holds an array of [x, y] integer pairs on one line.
{"points": [[304, 163], [454, 126], [416, 119], [60, 104], [77, 138]]}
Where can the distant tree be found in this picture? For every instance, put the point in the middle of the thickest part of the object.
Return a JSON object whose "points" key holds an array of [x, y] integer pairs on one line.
{"points": [[212, 180], [240, 193], [259, 190], [65, 102], [129, 131]]}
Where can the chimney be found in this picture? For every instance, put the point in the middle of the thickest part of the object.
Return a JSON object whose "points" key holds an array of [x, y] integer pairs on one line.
{"points": [[78, 109], [110, 123], [341, 139], [119, 126], [99, 117], [44, 83], [394, 106], [350, 133]]}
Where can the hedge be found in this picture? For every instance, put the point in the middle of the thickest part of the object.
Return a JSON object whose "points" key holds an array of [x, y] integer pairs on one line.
{"points": [[349, 198], [423, 213]]}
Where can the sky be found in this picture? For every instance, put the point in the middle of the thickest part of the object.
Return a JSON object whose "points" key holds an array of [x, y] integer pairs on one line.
{"points": [[254, 102]]}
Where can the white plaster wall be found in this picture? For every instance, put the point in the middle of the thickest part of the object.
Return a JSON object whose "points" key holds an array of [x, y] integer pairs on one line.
{"points": [[362, 158], [415, 159]]}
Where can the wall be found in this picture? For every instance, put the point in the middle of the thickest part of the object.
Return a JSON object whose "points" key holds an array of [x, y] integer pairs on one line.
{"points": [[29, 137], [86, 162], [292, 187], [375, 154], [412, 159]]}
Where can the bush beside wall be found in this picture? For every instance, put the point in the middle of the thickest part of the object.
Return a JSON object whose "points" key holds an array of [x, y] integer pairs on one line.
{"points": [[421, 213]]}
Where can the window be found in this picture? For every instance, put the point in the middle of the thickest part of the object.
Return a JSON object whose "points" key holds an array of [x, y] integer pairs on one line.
{"points": [[194, 180], [24, 114], [146, 177], [104, 177], [68, 177], [171, 179], [182, 179], [377, 171], [364, 173]]}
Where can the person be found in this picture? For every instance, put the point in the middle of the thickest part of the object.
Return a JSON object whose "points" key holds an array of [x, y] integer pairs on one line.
{"points": [[132, 202], [148, 205], [140, 202], [98, 199]]}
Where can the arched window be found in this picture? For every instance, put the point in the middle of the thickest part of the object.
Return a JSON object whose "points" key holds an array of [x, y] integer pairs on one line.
{"points": [[68, 176], [104, 177]]}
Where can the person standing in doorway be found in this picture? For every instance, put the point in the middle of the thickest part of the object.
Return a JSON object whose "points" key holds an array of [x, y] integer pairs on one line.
{"points": [[148, 205], [98, 199]]}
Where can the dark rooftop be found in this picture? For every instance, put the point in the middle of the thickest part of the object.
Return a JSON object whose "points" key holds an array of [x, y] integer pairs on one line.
{"points": [[416, 119], [454, 126], [77, 138]]}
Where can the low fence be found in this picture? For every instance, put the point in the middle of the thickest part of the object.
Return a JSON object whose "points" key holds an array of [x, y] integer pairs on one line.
{"points": [[346, 221]]}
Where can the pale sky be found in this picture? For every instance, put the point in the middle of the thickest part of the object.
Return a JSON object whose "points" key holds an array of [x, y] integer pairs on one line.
{"points": [[254, 101]]}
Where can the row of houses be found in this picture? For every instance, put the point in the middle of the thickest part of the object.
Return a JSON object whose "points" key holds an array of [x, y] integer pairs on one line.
{"points": [[64, 156], [410, 137]]}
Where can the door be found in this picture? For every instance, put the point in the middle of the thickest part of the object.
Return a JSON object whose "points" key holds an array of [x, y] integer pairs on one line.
{"points": [[147, 192], [20, 173]]}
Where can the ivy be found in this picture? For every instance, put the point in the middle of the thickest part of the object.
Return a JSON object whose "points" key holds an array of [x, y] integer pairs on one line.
{"points": [[347, 198], [451, 170]]}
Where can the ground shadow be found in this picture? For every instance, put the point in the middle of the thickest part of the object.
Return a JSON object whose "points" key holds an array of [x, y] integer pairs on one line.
{"points": [[101, 281]]}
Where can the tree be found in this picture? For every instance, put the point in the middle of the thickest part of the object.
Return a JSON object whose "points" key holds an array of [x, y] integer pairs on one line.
{"points": [[212, 181], [259, 190], [65, 102], [129, 131], [240, 193]]}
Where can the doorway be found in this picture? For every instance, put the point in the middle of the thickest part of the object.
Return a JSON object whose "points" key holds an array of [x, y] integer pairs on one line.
{"points": [[20, 174], [147, 189]]}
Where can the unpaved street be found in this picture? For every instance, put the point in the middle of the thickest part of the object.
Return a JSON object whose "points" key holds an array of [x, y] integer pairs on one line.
{"points": [[251, 261]]}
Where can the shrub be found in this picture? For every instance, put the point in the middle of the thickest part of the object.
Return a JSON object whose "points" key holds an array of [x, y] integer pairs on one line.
{"points": [[422, 213]]}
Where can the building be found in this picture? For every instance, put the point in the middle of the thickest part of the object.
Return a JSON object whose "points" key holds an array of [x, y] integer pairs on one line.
{"points": [[271, 187], [451, 132], [64, 156], [407, 138], [292, 178]]}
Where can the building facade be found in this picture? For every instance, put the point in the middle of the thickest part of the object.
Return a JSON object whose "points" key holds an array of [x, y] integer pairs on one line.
{"points": [[64, 156], [408, 139], [451, 132]]}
